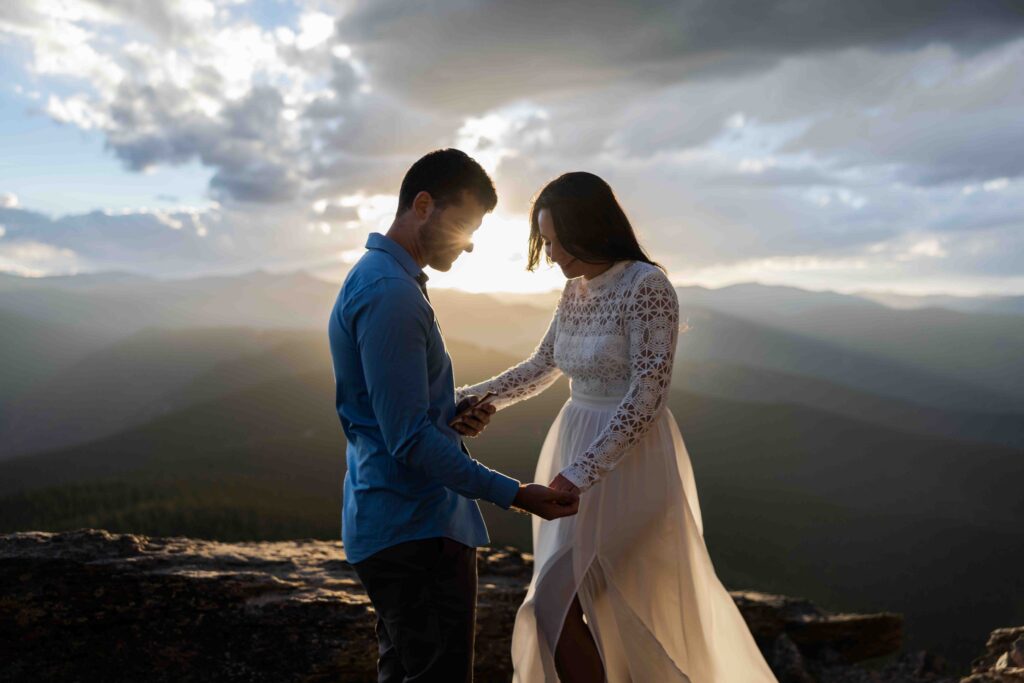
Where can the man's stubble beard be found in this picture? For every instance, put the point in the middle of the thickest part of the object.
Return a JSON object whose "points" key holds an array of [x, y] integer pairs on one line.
{"points": [[433, 243]]}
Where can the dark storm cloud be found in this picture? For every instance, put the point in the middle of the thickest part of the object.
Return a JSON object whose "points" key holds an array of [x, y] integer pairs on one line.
{"points": [[430, 51]]}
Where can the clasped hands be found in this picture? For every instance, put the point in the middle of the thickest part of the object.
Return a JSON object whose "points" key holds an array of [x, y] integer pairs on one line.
{"points": [[559, 499], [471, 419]]}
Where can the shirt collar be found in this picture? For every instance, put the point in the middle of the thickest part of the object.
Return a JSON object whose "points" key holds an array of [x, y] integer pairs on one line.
{"points": [[388, 245]]}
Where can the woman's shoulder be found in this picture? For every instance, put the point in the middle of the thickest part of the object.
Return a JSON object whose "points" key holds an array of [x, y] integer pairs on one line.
{"points": [[650, 289], [642, 267], [648, 274]]}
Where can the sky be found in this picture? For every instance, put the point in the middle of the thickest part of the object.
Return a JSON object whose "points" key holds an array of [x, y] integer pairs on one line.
{"points": [[826, 145]]}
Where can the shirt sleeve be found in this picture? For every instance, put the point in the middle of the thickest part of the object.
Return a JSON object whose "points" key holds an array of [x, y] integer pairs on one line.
{"points": [[392, 324], [525, 380], [652, 322]]}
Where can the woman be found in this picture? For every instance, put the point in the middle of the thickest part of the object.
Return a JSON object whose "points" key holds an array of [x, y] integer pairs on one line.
{"points": [[624, 590]]}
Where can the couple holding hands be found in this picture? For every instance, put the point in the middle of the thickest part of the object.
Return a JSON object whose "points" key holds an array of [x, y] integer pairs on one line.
{"points": [[623, 588]]}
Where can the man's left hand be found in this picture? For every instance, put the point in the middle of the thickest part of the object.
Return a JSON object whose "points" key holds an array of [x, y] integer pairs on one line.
{"points": [[471, 419]]}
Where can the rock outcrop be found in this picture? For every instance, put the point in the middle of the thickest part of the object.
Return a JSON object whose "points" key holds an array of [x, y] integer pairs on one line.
{"points": [[92, 605], [1003, 659]]}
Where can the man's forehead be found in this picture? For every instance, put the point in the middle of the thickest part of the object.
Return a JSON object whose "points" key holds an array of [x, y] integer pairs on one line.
{"points": [[469, 208]]}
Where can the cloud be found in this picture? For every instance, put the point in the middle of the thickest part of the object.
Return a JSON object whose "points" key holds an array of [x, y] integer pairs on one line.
{"points": [[946, 119], [336, 213], [522, 49], [794, 138], [171, 22], [174, 82], [256, 183], [33, 259], [183, 241]]}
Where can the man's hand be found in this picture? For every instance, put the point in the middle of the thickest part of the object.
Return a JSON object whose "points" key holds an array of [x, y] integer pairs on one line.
{"points": [[471, 419], [560, 483], [546, 503]]}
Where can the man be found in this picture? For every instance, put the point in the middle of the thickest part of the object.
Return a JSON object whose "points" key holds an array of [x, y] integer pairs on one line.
{"points": [[410, 520]]}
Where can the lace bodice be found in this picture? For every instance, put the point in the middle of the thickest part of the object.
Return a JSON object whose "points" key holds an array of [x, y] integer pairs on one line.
{"points": [[614, 336]]}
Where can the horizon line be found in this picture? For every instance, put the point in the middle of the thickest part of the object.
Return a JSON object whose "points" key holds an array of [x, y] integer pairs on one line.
{"points": [[675, 283]]}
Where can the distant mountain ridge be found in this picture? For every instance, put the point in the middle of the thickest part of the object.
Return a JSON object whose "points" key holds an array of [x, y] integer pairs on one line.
{"points": [[957, 374], [718, 336], [971, 359], [967, 304], [131, 381], [758, 384], [157, 371], [979, 350]]}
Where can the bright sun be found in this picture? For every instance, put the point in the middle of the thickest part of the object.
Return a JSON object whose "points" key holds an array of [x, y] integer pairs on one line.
{"points": [[498, 261]]}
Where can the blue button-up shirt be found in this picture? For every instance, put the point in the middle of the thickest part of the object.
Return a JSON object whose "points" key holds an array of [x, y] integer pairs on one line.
{"points": [[409, 477]]}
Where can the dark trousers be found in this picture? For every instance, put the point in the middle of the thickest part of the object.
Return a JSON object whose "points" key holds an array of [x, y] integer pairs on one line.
{"points": [[424, 593]]}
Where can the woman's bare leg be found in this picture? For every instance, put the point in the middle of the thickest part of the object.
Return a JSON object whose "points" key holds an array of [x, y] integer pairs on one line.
{"points": [[576, 657]]}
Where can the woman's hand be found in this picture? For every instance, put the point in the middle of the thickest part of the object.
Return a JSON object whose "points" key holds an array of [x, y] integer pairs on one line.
{"points": [[560, 483]]}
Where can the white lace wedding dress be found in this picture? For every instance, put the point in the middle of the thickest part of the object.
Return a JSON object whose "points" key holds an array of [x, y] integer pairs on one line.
{"points": [[635, 552]]}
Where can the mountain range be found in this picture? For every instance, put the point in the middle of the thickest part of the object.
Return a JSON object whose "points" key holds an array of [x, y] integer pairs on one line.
{"points": [[864, 456]]}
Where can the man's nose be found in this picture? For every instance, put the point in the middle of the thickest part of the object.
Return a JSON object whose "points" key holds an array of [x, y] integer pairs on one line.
{"points": [[468, 248]]}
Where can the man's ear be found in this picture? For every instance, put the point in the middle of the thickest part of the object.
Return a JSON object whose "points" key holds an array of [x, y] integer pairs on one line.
{"points": [[422, 205]]}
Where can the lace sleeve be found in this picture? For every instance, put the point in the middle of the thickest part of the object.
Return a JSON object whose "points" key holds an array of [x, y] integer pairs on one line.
{"points": [[525, 380], [652, 323]]}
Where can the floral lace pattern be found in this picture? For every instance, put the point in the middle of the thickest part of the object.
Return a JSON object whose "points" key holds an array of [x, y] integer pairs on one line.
{"points": [[614, 336]]}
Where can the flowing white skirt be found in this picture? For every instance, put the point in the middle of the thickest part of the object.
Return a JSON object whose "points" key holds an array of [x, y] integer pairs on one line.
{"points": [[636, 557]]}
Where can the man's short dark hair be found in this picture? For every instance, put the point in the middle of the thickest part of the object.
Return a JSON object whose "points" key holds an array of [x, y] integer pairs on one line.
{"points": [[445, 174]]}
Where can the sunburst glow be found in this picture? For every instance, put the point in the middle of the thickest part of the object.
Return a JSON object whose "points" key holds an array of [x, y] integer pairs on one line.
{"points": [[498, 261]]}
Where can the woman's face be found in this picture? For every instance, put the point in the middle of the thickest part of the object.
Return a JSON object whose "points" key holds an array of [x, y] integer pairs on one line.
{"points": [[569, 264]]}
